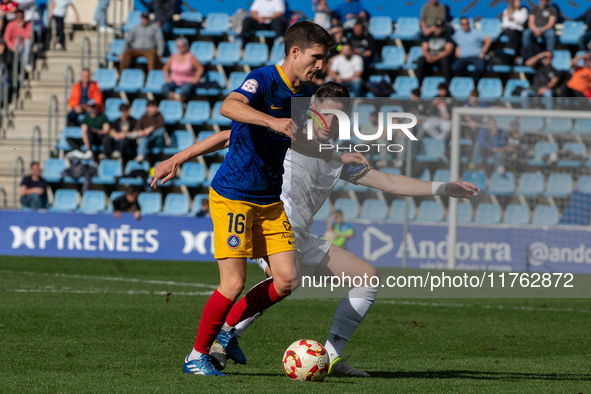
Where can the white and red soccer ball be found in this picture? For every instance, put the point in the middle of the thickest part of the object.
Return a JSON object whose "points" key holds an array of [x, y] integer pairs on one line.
{"points": [[306, 360]]}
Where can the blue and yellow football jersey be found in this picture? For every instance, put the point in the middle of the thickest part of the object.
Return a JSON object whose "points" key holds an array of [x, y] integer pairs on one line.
{"points": [[253, 168]]}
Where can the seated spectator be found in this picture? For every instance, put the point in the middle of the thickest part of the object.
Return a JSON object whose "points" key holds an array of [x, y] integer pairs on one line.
{"points": [[437, 52], [265, 15], [204, 212], [347, 69], [21, 31], [337, 231], [541, 23], [128, 203], [338, 33], [58, 13], [438, 124], [145, 40], [431, 12], [95, 127], [545, 80], [150, 129], [473, 102], [82, 92], [363, 44], [163, 12], [33, 189], [514, 150], [585, 38], [7, 10], [472, 47], [513, 22], [348, 13], [489, 142], [119, 142], [322, 14], [579, 84], [182, 70]]}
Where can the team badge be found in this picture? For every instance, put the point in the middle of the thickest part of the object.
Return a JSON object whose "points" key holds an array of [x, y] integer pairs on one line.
{"points": [[250, 86], [233, 241]]}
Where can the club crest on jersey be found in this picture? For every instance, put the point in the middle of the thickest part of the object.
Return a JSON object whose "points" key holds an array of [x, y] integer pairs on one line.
{"points": [[233, 241], [250, 86]]}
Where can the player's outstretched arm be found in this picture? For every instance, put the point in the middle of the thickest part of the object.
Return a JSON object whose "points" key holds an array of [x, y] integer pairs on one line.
{"points": [[405, 186], [167, 169]]}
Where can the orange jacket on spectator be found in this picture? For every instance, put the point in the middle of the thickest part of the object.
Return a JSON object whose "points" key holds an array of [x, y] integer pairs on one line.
{"points": [[13, 31], [94, 92]]}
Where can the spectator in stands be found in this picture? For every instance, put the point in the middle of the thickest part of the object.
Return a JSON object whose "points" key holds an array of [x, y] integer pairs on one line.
{"points": [[438, 124], [585, 38], [120, 139], [338, 33], [145, 40], [58, 13], [349, 12], [204, 212], [128, 203], [29, 7], [489, 142], [163, 11], [473, 102], [181, 70], [347, 69], [151, 129], [513, 150], [7, 10], [337, 231], [437, 51], [95, 127], [100, 14], [322, 14], [82, 92], [431, 12], [363, 44], [19, 32], [472, 47], [33, 189], [513, 22], [579, 84], [545, 80], [541, 23], [265, 15]]}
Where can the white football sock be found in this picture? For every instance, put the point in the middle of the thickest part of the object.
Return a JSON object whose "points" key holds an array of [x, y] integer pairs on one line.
{"points": [[244, 324], [194, 355], [350, 312]]}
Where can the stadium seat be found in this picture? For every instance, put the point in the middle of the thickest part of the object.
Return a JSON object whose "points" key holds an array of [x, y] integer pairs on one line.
{"points": [[138, 108], [431, 211], [374, 210], [129, 167], [218, 119], [203, 51], [432, 150], [531, 184], [93, 201], [131, 81], [108, 172], [510, 87], [530, 125], [380, 27], [212, 170], [414, 53], [80, 180], [112, 105], [176, 204], [478, 178], [461, 86], [255, 54], [227, 54], [558, 126], [541, 149], [487, 213], [64, 200], [465, 214], [545, 215], [392, 58], [406, 28], [577, 148], [197, 203], [571, 32], [52, 170], [265, 33], [490, 88], [516, 214], [465, 148], [442, 175], [115, 50], [73, 132], [189, 17], [349, 207], [197, 112], [355, 187], [192, 175], [171, 110], [133, 19], [504, 122], [582, 127], [491, 27], [397, 210], [404, 85], [501, 185], [209, 77], [391, 170], [277, 53], [150, 203], [234, 81], [180, 140], [559, 186], [106, 79], [425, 176], [154, 82], [430, 84], [324, 212], [216, 24], [584, 184], [114, 195], [561, 60]]}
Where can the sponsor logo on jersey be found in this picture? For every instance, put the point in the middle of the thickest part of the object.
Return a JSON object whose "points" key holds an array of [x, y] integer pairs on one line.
{"points": [[233, 241], [250, 86]]}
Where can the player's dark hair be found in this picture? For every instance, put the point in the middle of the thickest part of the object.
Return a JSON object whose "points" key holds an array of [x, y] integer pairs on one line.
{"points": [[305, 35]]}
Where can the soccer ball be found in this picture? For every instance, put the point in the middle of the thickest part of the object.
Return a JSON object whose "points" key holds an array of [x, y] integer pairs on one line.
{"points": [[306, 360]]}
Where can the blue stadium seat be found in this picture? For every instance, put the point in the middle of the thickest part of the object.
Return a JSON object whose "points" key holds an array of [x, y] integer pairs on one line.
{"points": [[491, 27], [112, 105], [340, 185], [465, 214], [510, 87], [176, 204], [391, 170], [363, 111], [277, 53], [397, 210], [425, 176], [530, 125], [430, 84], [180, 140], [380, 27], [189, 17], [106, 79], [545, 215], [171, 110], [73, 132], [255, 54], [116, 49], [349, 207], [577, 148], [150, 203], [228, 54], [504, 122], [571, 32], [431, 211], [392, 58], [406, 28], [64, 200], [432, 150], [516, 214], [559, 186], [531, 184], [561, 60], [542, 148], [170, 48], [197, 112], [488, 213], [464, 142], [138, 108], [234, 81], [414, 53], [129, 167], [131, 81], [216, 118], [582, 127], [265, 33], [584, 184], [114, 195], [154, 82], [374, 210], [442, 175], [93, 201], [461, 86], [478, 178], [455, 23], [355, 187], [203, 51], [192, 175], [211, 171], [501, 185], [558, 126], [197, 203], [108, 172], [404, 85], [52, 170], [490, 88], [133, 19], [212, 76], [217, 24], [324, 212]]}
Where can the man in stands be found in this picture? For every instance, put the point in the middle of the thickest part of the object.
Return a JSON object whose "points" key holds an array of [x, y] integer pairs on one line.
{"points": [[349, 12], [265, 15], [347, 69], [95, 127], [82, 92], [19, 32], [150, 129], [118, 143], [128, 203], [33, 189], [472, 47], [437, 52], [163, 11], [145, 40], [541, 23], [363, 44], [579, 85], [431, 12], [545, 80]]}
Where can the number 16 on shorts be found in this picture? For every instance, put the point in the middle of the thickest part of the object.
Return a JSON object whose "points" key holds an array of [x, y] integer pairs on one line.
{"points": [[235, 228]]}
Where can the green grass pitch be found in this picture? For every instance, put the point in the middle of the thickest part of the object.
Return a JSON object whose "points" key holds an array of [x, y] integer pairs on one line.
{"points": [[104, 326]]}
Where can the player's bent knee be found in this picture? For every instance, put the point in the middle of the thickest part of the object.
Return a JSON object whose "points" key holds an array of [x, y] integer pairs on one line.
{"points": [[283, 287], [232, 288]]}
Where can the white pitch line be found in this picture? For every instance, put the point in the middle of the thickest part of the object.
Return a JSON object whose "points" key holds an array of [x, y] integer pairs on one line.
{"points": [[107, 291]]}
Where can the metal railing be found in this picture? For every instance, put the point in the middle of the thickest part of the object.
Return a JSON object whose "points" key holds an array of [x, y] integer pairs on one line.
{"points": [[101, 42], [68, 83], [5, 86], [18, 162], [117, 18], [36, 142], [85, 53], [18, 49], [4, 197], [52, 115]]}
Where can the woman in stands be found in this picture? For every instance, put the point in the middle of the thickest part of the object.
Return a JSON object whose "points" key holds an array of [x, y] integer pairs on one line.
{"points": [[182, 70], [514, 19]]}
